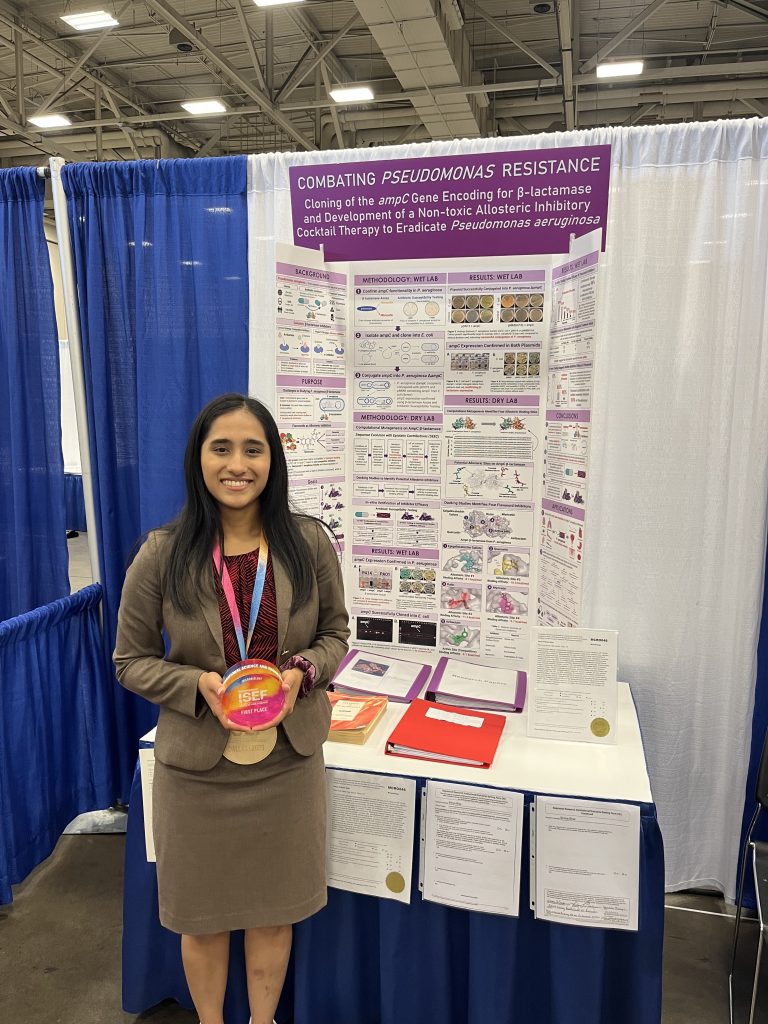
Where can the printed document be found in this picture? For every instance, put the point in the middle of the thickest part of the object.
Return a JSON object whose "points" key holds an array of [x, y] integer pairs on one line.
{"points": [[370, 833], [472, 847], [147, 767], [573, 689], [586, 868]]}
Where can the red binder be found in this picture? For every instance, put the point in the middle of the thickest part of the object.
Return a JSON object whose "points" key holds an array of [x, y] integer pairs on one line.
{"points": [[441, 732]]}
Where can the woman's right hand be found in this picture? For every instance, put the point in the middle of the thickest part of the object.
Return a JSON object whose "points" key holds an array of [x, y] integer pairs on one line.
{"points": [[211, 686]]}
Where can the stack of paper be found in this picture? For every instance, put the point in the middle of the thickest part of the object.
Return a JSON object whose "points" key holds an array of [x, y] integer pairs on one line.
{"points": [[353, 718]]}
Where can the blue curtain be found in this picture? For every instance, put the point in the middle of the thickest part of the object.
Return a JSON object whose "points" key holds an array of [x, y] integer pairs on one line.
{"points": [[160, 251], [33, 551], [74, 502], [55, 717], [759, 727]]}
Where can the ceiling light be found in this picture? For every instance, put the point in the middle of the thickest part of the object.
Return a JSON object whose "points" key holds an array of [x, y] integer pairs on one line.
{"points": [[90, 20], [275, 3], [351, 94], [50, 121], [204, 107], [620, 69]]}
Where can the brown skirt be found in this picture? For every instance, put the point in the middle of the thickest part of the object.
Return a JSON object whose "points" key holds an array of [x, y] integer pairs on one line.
{"points": [[240, 846]]}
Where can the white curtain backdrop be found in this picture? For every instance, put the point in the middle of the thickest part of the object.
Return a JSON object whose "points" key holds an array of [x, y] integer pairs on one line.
{"points": [[679, 464]]}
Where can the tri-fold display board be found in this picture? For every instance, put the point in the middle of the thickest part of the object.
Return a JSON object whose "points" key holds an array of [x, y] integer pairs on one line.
{"points": [[436, 412]]}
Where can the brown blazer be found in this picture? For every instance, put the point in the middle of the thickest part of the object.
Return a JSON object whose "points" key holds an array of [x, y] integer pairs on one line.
{"points": [[188, 734]]}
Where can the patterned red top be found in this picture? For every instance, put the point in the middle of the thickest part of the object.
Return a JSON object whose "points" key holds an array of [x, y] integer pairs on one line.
{"points": [[242, 572]]}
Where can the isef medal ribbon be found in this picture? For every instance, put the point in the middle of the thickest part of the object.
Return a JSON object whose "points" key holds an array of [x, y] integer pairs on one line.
{"points": [[253, 695]]}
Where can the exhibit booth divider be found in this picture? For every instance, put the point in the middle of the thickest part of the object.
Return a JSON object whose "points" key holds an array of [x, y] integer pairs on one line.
{"points": [[56, 729], [33, 560], [678, 488], [160, 263]]}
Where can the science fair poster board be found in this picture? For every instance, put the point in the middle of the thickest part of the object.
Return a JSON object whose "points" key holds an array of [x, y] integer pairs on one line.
{"points": [[435, 413]]}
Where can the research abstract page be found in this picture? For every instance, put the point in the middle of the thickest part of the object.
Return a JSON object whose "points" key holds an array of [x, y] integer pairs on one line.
{"points": [[370, 833], [472, 847], [585, 865]]}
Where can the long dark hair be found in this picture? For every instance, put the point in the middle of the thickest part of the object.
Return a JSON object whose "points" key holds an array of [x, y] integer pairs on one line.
{"points": [[199, 524]]}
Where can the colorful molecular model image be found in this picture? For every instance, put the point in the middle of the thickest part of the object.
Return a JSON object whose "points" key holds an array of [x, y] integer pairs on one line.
{"points": [[289, 442], [464, 423], [460, 636], [507, 603], [465, 561], [458, 598], [508, 563], [482, 524]]}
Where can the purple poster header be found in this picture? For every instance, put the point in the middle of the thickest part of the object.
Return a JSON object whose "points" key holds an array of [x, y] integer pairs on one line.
{"points": [[490, 204]]}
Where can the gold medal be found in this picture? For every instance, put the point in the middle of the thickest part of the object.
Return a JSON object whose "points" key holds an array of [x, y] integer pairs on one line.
{"points": [[600, 727], [250, 747]]}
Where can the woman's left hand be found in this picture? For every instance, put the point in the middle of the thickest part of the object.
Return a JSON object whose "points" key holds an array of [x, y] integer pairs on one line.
{"points": [[292, 680]]}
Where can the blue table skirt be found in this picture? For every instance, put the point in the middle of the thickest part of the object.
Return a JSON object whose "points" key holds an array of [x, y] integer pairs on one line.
{"points": [[74, 502], [367, 961]]}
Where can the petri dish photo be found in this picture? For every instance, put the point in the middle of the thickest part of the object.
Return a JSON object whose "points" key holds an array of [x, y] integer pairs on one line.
{"points": [[473, 301], [486, 301], [536, 315], [537, 299], [521, 315], [458, 301], [522, 300], [507, 315], [472, 316], [507, 301], [486, 315], [432, 308], [457, 316]]}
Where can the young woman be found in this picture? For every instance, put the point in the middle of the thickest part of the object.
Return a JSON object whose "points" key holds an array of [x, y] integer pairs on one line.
{"points": [[239, 816]]}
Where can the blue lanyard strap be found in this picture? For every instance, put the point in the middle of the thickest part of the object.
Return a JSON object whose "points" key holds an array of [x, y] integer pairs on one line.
{"points": [[229, 594]]}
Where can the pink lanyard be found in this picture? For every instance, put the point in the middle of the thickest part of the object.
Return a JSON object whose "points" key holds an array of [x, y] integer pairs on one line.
{"points": [[229, 594]]}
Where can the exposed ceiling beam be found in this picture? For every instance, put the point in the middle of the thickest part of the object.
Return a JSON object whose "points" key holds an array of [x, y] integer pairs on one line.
{"points": [[269, 53], [36, 140], [625, 33], [528, 106], [640, 113], [30, 32], [334, 108], [407, 133], [173, 18], [126, 131], [743, 5], [710, 36], [564, 31], [757, 108], [18, 44], [745, 68], [502, 30], [518, 125], [249, 43], [63, 85], [309, 30], [320, 56], [295, 70], [206, 149]]}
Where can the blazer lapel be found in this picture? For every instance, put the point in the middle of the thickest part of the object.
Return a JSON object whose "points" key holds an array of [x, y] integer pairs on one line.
{"points": [[283, 596], [210, 608]]}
